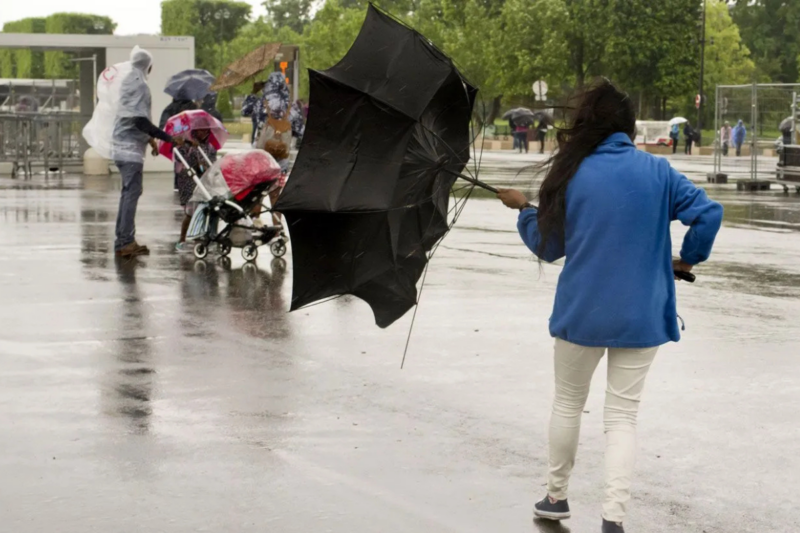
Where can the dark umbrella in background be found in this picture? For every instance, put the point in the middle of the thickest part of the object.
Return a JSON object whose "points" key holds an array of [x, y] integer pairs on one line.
{"points": [[522, 116], [388, 135], [786, 125], [191, 84]]}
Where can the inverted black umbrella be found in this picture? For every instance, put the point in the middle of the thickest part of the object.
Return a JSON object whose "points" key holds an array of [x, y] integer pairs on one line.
{"points": [[190, 84], [388, 134]]}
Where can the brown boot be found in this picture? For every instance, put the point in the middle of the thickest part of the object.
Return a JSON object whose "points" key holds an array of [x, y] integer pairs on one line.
{"points": [[132, 250]]}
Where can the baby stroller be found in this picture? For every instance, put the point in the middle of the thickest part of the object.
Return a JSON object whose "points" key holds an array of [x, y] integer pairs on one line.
{"points": [[228, 193]]}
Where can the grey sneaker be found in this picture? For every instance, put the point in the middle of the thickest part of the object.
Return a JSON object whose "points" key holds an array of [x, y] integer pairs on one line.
{"points": [[552, 509], [612, 527]]}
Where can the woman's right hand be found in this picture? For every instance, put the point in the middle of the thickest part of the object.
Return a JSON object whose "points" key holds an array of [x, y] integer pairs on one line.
{"points": [[679, 266]]}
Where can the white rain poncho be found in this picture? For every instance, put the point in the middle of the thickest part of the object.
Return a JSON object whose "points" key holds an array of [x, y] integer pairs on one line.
{"points": [[123, 95]]}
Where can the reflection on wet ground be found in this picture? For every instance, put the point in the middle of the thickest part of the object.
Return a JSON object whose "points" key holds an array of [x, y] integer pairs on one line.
{"points": [[160, 393]]}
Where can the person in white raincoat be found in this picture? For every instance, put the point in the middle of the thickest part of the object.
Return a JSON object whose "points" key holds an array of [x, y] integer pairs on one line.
{"points": [[120, 130]]}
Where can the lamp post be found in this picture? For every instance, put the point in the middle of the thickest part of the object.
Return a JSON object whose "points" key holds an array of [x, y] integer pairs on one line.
{"points": [[702, 73], [222, 15]]}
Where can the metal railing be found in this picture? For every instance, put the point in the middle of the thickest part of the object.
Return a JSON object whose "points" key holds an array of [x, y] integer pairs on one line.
{"points": [[47, 140]]}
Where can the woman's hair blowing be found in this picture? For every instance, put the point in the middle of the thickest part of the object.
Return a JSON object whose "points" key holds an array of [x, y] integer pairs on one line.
{"points": [[602, 110]]}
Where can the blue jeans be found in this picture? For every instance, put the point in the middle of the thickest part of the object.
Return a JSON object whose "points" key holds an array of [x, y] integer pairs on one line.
{"points": [[128, 200]]}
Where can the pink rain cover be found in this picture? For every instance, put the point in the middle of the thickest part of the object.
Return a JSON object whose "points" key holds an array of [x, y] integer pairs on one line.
{"points": [[244, 170], [182, 124]]}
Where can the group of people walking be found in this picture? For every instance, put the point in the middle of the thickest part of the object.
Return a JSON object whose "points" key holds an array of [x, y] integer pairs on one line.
{"points": [[728, 137]]}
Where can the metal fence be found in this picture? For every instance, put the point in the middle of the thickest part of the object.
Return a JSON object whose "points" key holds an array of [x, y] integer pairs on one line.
{"points": [[761, 107], [48, 142]]}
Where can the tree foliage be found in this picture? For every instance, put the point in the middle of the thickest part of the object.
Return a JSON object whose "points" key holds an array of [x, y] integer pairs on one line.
{"points": [[21, 63], [771, 31], [294, 14], [206, 20], [57, 64]]}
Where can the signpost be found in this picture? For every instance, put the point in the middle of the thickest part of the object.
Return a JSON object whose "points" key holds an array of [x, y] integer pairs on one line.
{"points": [[540, 90]]}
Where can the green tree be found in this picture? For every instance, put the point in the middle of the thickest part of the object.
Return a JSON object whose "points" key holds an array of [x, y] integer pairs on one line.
{"points": [[57, 64], [727, 59], [294, 14], [654, 54], [210, 22], [329, 36], [22, 63], [467, 31], [771, 31]]}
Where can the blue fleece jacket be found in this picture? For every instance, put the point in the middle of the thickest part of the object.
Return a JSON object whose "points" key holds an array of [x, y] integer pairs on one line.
{"points": [[617, 288]]}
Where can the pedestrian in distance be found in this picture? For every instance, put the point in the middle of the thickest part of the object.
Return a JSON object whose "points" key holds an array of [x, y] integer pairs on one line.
{"points": [[541, 134], [688, 134], [521, 133], [725, 135], [512, 128], [607, 207], [739, 136], [254, 107], [674, 134]]}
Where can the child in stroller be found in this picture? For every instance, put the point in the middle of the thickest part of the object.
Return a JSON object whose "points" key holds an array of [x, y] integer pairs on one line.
{"points": [[228, 193]]}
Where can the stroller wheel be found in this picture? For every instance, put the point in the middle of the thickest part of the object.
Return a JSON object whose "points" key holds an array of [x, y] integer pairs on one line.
{"points": [[223, 248], [200, 250], [250, 252], [278, 248]]}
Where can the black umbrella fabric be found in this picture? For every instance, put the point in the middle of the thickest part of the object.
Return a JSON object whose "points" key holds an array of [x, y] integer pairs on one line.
{"points": [[388, 131], [191, 84]]}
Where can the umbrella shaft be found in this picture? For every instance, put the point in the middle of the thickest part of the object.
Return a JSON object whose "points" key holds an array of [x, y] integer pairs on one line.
{"points": [[473, 181]]}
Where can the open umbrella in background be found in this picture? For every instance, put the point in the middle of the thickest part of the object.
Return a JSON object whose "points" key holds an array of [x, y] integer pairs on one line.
{"points": [[786, 125], [388, 135], [191, 84], [247, 66], [677, 120], [521, 116]]}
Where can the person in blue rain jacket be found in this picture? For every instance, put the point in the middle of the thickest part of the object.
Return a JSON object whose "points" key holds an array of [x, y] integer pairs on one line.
{"points": [[739, 135], [607, 207]]}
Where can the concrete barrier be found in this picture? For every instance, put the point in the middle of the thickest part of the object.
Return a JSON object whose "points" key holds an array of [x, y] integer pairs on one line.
{"points": [[94, 164]]}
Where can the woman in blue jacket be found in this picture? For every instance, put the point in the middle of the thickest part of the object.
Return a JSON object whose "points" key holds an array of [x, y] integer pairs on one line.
{"points": [[607, 208]]}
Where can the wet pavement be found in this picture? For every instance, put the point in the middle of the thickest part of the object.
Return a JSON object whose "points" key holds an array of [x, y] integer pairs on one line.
{"points": [[174, 395]]}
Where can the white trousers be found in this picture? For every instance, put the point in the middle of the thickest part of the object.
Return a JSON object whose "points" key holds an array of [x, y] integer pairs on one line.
{"points": [[627, 370]]}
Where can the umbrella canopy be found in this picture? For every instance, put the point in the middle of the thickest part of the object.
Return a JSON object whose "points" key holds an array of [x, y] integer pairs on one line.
{"points": [[786, 124], [677, 120], [191, 84], [519, 113], [247, 66], [368, 198], [183, 124]]}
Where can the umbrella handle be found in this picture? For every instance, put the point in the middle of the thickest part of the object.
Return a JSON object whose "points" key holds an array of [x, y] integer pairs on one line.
{"points": [[685, 276], [473, 181]]}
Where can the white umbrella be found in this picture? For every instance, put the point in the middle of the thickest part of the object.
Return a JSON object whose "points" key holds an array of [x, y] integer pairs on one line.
{"points": [[677, 120]]}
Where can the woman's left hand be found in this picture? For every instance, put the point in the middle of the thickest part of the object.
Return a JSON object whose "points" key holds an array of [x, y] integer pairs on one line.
{"points": [[512, 198]]}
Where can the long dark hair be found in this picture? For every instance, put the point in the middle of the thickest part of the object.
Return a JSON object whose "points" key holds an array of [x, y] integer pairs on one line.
{"points": [[602, 110]]}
